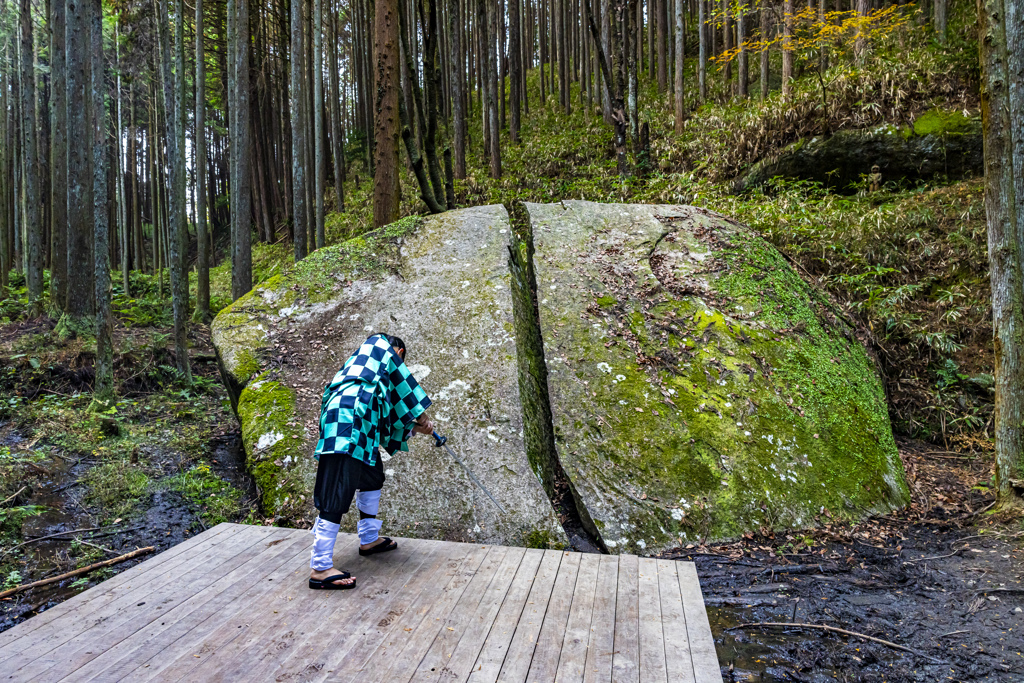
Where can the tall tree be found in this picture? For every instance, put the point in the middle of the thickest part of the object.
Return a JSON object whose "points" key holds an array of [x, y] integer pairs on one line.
{"points": [[940, 17], [32, 225], [104, 387], [202, 312], [764, 13], [176, 229], [337, 140], [241, 205], [80, 287], [702, 55], [318, 119], [741, 40], [787, 48], [297, 95], [58, 160], [492, 77], [680, 55], [515, 69], [386, 189], [458, 89], [1002, 106]]}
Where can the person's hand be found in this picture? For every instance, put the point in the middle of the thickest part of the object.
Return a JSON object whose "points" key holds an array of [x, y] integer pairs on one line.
{"points": [[423, 426]]}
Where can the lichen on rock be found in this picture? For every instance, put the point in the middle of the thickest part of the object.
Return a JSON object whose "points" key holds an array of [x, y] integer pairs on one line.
{"points": [[441, 284], [700, 387]]}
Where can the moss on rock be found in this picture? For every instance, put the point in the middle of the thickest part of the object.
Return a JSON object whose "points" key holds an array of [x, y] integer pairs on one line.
{"points": [[719, 394]]}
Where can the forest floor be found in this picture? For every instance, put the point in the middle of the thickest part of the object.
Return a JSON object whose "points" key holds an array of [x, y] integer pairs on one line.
{"points": [[942, 578], [81, 486]]}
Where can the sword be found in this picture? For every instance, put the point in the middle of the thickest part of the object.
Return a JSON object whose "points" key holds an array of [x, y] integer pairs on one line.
{"points": [[443, 441]]}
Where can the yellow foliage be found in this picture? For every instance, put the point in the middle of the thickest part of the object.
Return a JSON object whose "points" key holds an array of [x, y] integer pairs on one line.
{"points": [[835, 31]]}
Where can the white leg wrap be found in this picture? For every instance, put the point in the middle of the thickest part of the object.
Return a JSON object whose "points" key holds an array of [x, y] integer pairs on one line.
{"points": [[324, 536], [369, 530], [368, 501]]}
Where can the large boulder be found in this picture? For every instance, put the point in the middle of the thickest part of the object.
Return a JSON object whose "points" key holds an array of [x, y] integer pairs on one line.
{"points": [[939, 144], [699, 387], [442, 285]]}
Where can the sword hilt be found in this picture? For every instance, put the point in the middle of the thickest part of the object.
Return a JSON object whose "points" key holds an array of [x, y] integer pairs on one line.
{"points": [[439, 440]]}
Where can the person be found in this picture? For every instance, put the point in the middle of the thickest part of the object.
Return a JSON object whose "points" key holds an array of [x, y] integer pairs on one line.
{"points": [[373, 402]]}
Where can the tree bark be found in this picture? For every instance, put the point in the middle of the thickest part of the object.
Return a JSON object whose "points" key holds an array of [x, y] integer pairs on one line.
{"points": [[940, 20], [296, 85], [58, 161], [337, 138], [318, 119], [80, 285], [613, 80], [662, 49], [173, 104], [787, 49], [764, 13], [702, 58], [492, 75], [104, 387], [458, 92], [202, 313], [32, 227], [515, 69], [1002, 93], [386, 115], [741, 39], [680, 102]]}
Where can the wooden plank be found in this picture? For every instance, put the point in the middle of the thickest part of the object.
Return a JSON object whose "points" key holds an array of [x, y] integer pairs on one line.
{"points": [[403, 658], [320, 653], [451, 629], [626, 657], [573, 658], [458, 661], [106, 589], [679, 667], [492, 654], [552, 632], [460, 567], [602, 635], [125, 615], [706, 668], [214, 603], [302, 613], [342, 659], [524, 641], [652, 638]]}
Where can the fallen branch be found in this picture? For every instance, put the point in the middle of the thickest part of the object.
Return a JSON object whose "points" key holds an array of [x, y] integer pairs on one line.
{"points": [[833, 629], [76, 572], [14, 496], [934, 557], [43, 538]]}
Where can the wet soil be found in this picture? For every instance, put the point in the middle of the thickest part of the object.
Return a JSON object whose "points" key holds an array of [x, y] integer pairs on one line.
{"points": [[942, 578], [163, 519]]}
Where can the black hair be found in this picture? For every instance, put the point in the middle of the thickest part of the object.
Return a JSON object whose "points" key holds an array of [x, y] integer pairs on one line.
{"points": [[396, 343]]}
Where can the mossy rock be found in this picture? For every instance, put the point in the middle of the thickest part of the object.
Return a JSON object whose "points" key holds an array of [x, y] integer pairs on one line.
{"points": [[700, 388], [939, 144], [440, 283]]}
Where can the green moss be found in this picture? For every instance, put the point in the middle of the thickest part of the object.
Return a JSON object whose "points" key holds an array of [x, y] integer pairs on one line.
{"points": [[747, 404], [606, 300], [537, 538], [273, 440], [939, 122]]}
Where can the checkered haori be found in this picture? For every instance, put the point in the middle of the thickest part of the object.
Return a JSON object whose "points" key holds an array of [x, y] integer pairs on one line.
{"points": [[372, 402]]}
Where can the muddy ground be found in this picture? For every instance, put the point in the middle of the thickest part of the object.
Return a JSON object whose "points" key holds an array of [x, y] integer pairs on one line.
{"points": [[78, 487], [941, 578]]}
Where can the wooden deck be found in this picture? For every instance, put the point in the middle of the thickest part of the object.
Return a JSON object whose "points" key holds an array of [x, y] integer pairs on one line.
{"points": [[231, 604]]}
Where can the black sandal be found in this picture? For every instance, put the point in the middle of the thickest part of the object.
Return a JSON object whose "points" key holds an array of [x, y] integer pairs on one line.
{"points": [[328, 583], [384, 546]]}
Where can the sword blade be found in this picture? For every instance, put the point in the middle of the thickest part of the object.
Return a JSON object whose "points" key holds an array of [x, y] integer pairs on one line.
{"points": [[474, 479]]}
